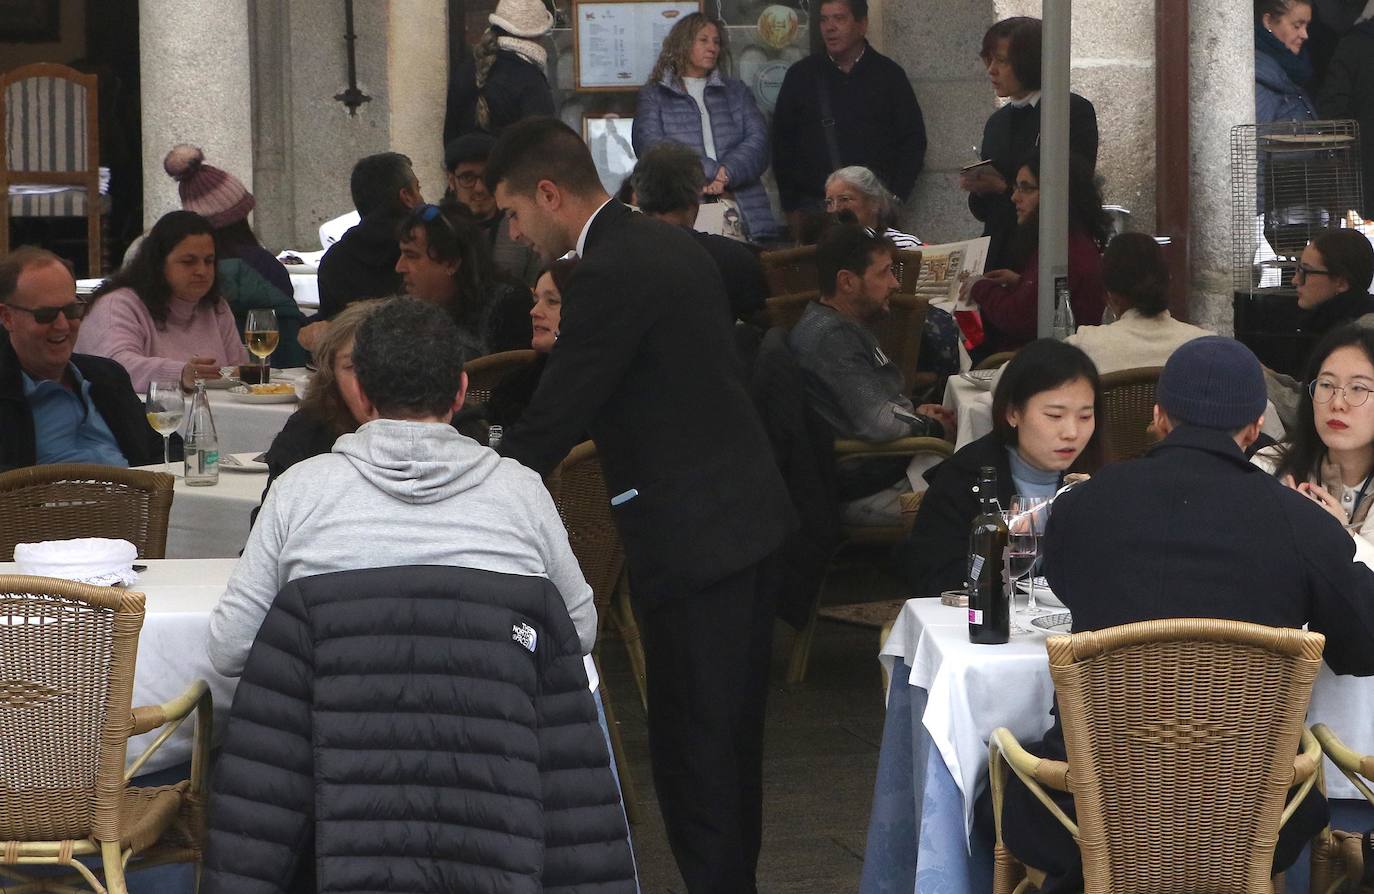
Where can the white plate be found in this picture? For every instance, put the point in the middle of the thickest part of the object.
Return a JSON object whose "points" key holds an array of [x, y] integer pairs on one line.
{"points": [[1056, 623], [241, 462], [221, 384], [241, 393], [1043, 593]]}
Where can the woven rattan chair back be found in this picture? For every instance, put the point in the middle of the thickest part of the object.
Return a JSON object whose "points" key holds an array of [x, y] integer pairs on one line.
{"points": [[579, 492], [63, 501], [899, 333], [66, 685], [906, 265], [1128, 402], [786, 310], [790, 270], [1181, 738], [484, 373]]}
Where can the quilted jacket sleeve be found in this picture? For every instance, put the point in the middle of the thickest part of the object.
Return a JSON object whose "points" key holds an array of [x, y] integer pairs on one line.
{"points": [[261, 822], [586, 841]]}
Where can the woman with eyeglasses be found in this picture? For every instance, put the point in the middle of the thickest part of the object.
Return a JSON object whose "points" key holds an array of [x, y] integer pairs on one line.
{"points": [[1332, 279], [1329, 454], [858, 191], [161, 316], [1008, 299]]}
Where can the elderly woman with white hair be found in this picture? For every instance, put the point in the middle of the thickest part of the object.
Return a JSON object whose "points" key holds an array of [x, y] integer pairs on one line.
{"points": [[859, 191]]}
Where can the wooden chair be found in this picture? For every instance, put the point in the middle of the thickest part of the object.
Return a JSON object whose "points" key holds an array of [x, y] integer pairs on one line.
{"points": [[579, 492], [67, 655], [50, 136], [67, 500], [485, 372], [850, 451], [790, 270], [1337, 856], [1128, 401], [1181, 737]]}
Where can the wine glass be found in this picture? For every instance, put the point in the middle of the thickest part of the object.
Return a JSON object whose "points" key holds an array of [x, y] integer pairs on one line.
{"points": [[165, 407], [261, 333], [1025, 526]]}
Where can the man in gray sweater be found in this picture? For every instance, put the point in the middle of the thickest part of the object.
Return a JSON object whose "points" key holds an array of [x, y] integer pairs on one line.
{"points": [[404, 489]]}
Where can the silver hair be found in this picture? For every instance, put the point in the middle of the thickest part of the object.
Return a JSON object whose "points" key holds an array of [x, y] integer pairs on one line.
{"points": [[867, 182]]}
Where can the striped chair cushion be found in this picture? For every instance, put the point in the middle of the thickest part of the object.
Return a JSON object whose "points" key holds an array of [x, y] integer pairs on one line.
{"points": [[45, 130]]}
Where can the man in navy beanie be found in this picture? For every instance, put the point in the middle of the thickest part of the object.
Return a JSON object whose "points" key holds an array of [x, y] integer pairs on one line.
{"points": [[1193, 530]]}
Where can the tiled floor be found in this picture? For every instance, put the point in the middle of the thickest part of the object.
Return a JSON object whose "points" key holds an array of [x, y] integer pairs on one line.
{"points": [[820, 760]]}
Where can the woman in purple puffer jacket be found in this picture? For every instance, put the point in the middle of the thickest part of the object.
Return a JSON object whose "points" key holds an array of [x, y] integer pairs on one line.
{"points": [[687, 100]]}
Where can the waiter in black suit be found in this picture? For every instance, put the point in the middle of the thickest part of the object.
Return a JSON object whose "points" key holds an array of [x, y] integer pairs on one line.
{"points": [[645, 362]]}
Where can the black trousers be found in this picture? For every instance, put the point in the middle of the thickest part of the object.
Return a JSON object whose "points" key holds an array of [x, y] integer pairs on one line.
{"points": [[707, 656]]}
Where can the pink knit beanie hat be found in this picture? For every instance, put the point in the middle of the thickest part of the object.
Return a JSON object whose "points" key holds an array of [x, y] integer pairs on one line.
{"points": [[218, 196]]}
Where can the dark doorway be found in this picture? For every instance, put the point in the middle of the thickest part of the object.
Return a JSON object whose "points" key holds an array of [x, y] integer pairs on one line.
{"points": [[112, 53]]}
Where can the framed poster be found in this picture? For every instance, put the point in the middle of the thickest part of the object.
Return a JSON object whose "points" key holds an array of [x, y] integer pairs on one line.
{"points": [[616, 42], [608, 138]]}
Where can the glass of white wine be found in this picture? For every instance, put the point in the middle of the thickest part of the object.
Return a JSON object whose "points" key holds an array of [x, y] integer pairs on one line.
{"points": [[260, 331], [166, 405]]}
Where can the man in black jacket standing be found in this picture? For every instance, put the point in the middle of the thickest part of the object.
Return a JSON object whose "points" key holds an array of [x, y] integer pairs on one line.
{"points": [[57, 406], [849, 105], [645, 364]]}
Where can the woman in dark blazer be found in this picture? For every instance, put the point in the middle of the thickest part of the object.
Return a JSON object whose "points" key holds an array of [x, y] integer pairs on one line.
{"points": [[1011, 52]]}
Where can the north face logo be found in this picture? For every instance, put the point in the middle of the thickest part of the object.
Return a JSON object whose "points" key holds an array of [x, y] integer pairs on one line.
{"points": [[524, 635]]}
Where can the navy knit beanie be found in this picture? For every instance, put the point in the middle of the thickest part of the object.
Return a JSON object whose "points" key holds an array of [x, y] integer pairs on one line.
{"points": [[1213, 382]]}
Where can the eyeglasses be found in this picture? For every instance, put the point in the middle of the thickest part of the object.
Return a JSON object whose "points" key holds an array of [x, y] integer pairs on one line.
{"points": [[45, 316], [428, 213], [467, 179], [1304, 271], [1025, 189], [1323, 390]]}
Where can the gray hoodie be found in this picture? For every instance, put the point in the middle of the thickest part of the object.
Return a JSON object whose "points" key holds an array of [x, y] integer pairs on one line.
{"points": [[397, 493]]}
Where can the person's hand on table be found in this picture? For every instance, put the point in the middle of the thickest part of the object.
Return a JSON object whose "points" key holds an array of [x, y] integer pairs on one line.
{"points": [[943, 415], [198, 368], [982, 181], [310, 336], [1007, 279]]}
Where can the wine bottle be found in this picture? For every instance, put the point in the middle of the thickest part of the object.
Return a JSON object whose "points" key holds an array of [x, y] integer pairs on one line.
{"points": [[989, 608]]}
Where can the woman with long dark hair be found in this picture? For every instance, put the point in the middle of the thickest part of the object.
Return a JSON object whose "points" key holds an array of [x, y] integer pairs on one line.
{"points": [[689, 100], [161, 316], [1044, 425], [1329, 454], [1008, 298]]}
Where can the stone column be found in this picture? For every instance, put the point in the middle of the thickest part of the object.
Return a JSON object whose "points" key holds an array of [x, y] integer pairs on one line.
{"points": [[196, 88], [1221, 84], [417, 75]]}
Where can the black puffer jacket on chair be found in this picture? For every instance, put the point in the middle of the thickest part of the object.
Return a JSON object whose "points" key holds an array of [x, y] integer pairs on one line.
{"points": [[416, 729]]}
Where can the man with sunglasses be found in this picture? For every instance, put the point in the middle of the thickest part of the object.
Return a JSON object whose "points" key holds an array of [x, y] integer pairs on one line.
{"points": [[57, 406], [465, 164]]}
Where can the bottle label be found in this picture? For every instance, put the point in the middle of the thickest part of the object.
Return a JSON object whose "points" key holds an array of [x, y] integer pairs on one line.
{"points": [[975, 616], [209, 459], [975, 568]]}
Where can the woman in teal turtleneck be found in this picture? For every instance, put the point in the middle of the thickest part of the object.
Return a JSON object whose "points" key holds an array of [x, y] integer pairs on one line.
{"points": [[1044, 424]]}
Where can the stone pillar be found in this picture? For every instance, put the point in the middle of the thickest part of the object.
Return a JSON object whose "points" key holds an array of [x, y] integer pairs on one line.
{"points": [[196, 88], [1221, 85], [417, 76]]}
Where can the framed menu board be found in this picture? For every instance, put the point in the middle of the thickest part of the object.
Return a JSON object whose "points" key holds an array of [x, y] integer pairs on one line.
{"points": [[616, 42]]}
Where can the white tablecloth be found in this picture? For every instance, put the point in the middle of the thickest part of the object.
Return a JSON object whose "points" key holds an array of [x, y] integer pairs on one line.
{"points": [[171, 648], [211, 522], [972, 407], [306, 286], [974, 689], [242, 426]]}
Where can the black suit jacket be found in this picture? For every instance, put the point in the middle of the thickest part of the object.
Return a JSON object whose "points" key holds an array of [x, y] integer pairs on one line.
{"points": [[111, 392], [645, 363]]}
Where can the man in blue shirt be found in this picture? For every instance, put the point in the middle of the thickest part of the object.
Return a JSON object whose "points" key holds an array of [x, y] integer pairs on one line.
{"points": [[57, 406]]}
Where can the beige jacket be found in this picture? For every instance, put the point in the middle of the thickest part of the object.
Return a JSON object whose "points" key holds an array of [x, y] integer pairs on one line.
{"points": [[1134, 341]]}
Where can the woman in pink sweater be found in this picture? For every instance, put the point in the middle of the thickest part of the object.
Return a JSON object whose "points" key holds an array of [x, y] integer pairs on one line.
{"points": [[161, 316]]}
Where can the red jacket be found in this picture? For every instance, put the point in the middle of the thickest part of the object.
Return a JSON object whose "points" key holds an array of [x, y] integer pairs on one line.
{"points": [[1009, 315]]}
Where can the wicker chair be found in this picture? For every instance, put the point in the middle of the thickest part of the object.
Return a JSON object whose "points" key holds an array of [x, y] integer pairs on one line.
{"points": [[899, 333], [790, 269], [1128, 402], [1180, 735], [485, 372], [67, 660], [64, 501], [995, 361], [906, 264], [848, 451], [1337, 857], [579, 492]]}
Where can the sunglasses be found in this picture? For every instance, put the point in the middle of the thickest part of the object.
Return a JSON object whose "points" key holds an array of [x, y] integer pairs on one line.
{"points": [[45, 316]]}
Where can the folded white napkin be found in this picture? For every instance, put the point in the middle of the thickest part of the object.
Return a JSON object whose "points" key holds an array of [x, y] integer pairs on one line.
{"points": [[99, 561]]}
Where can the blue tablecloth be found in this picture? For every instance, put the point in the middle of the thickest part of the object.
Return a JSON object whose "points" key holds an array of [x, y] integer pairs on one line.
{"points": [[916, 837]]}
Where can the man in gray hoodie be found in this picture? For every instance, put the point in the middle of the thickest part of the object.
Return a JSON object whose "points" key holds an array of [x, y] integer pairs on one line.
{"points": [[404, 489]]}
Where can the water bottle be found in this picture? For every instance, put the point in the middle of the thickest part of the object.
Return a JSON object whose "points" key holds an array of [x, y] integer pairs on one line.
{"points": [[1064, 325], [494, 435], [202, 444]]}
